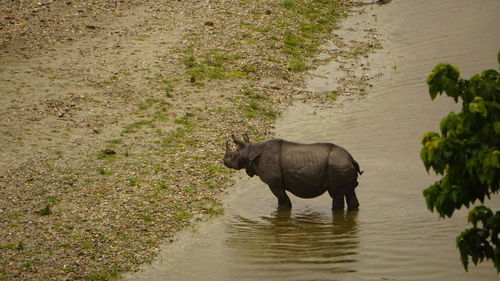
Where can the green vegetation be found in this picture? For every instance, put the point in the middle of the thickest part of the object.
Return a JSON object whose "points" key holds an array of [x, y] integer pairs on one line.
{"points": [[312, 20], [288, 37], [255, 106], [467, 155], [332, 95], [13, 246], [214, 64], [134, 127], [45, 211], [182, 215], [104, 172], [104, 275], [114, 143]]}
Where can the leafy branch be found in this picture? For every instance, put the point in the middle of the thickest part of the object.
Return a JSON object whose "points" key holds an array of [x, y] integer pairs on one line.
{"points": [[467, 156]]}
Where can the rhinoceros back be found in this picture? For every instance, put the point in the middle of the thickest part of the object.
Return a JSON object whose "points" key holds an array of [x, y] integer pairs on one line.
{"points": [[304, 168]]}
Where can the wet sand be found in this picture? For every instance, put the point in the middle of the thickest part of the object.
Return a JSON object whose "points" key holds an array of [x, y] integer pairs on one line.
{"points": [[393, 236]]}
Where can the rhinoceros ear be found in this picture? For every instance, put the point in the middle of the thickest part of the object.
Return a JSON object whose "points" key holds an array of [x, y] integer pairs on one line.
{"points": [[246, 138], [237, 141], [252, 165]]}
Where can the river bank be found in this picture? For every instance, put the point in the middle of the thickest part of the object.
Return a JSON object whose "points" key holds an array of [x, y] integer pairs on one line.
{"points": [[113, 117]]}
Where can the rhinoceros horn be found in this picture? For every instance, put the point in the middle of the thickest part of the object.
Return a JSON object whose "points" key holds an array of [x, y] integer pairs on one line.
{"points": [[246, 138], [237, 141]]}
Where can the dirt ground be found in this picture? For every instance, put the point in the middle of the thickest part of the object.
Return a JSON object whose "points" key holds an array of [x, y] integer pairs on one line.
{"points": [[114, 114]]}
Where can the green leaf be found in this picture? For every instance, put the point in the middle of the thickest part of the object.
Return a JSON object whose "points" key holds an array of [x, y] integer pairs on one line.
{"points": [[478, 106], [496, 126], [479, 214], [444, 78]]}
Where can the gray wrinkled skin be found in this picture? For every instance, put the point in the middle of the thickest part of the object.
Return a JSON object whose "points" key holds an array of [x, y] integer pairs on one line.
{"points": [[305, 170]]}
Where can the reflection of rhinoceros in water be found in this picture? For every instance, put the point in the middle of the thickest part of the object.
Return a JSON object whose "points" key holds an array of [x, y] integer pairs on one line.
{"points": [[306, 170]]}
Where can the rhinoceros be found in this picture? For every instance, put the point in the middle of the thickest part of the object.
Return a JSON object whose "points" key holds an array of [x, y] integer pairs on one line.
{"points": [[305, 170]]}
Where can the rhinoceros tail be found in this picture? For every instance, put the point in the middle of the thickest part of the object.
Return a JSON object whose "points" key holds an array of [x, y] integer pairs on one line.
{"points": [[356, 165]]}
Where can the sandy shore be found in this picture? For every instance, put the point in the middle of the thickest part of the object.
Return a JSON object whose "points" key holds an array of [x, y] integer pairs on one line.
{"points": [[113, 116]]}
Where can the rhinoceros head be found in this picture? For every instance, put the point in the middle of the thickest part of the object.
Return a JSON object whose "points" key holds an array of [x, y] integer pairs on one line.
{"points": [[237, 159]]}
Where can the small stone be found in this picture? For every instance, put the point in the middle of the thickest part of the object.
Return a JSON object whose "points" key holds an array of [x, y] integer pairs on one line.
{"points": [[109, 151]]}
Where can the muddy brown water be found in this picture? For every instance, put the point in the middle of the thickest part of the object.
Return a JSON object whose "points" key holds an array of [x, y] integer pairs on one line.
{"points": [[392, 236]]}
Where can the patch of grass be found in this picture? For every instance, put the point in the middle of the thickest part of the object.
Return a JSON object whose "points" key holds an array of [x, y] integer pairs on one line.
{"points": [[215, 169], [114, 143], [168, 90], [150, 102], [103, 155], [185, 120], [104, 172], [356, 50], [182, 215], [175, 137], [66, 245], [270, 114], [249, 68], [143, 106], [124, 72], [8, 246], [134, 127], [160, 115], [151, 242], [104, 274], [215, 209], [298, 64], [52, 199], [178, 137], [15, 216], [251, 95], [314, 18], [4, 273], [87, 245], [213, 64], [59, 153], [20, 246], [190, 189], [148, 218], [189, 61], [288, 4], [256, 106], [26, 265], [132, 182], [45, 211], [332, 95], [68, 269], [293, 44]]}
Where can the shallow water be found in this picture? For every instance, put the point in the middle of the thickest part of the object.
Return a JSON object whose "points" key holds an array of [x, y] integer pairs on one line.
{"points": [[392, 236]]}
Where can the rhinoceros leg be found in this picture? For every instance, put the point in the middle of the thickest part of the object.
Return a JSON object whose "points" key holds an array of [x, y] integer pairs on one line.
{"points": [[283, 199], [352, 200], [344, 181], [337, 195]]}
